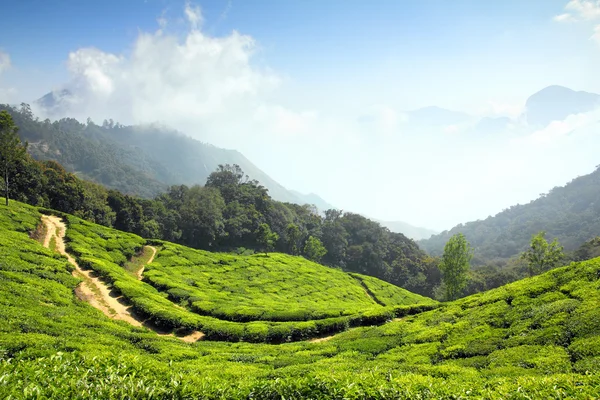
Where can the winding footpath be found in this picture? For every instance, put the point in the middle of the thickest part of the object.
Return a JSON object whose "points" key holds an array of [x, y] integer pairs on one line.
{"points": [[95, 291]]}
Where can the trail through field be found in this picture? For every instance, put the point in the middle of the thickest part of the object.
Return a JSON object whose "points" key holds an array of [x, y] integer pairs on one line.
{"points": [[141, 270], [321, 339], [95, 291], [91, 289], [368, 292]]}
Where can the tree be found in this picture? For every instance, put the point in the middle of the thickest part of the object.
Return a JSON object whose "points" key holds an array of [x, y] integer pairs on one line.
{"points": [[455, 264], [266, 238], [11, 149], [314, 249], [293, 237], [542, 255]]}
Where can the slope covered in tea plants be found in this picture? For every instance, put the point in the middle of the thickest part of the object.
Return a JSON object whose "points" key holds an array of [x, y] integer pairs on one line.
{"points": [[274, 287], [256, 298], [535, 338]]}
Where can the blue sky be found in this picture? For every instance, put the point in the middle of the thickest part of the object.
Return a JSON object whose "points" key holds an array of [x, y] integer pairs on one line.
{"points": [[322, 42], [288, 83]]}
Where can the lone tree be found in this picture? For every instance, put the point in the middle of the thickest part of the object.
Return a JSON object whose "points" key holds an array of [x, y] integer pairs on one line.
{"points": [[266, 238], [314, 249], [11, 149], [455, 264], [542, 255]]}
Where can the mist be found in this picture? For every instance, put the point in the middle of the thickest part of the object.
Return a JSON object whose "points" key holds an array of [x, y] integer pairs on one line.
{"points": [[375, 153]]}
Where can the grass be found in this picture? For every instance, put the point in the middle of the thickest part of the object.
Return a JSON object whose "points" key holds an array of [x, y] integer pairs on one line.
{"points": [[535, 338]]}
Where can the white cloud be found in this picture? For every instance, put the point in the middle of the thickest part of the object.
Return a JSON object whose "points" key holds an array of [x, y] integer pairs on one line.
{"points": [[588, 10], [4, 61], [502, 109], [566, 17], [584, 9], [555, 131], [193, 14], [596, 35]]}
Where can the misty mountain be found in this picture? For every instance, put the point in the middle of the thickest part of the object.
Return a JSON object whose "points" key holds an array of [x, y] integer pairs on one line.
{"points": [[555, 103], [137, 160], [570, 213], [411, 231], [55, 103], [313, 199]]}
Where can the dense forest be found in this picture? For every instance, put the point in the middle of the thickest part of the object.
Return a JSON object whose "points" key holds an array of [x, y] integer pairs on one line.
{"points": [[142, 160], [570, 213]]}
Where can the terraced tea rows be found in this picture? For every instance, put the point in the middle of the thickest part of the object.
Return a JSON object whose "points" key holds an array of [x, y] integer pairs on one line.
{"points": [[258, 298], [536, 338], [276, 287]]}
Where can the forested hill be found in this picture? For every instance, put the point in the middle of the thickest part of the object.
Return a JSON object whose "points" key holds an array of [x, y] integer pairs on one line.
{"points": [[137, 160], [570, 213]]}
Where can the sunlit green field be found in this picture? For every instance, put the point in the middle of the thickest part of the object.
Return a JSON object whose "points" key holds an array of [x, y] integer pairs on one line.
{"points": [[259, 298], [535, 338], [274, 287]]}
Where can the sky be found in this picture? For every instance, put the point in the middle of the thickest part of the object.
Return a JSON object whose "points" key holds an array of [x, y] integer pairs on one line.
{"points": [[318, 94]]}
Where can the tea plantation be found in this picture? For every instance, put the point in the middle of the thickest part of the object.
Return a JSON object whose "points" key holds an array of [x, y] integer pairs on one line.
{"points": [[535, 338]]}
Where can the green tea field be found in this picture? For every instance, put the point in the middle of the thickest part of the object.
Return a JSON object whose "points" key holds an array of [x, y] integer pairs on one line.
{"points": [[273, 326]]}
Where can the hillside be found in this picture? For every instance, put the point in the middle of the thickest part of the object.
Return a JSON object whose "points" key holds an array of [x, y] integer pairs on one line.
{"points": [[138, 160], [536, 338], [227, 296], [570, 213]]}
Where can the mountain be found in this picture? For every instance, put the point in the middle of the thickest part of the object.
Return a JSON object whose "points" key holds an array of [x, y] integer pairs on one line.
{"points": [[141, 160], [555, 103], [570, 213], [408, 230], [313, 199]]}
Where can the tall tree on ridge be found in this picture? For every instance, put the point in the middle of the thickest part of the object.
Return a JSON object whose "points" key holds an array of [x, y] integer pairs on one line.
{"points": [[11, 149]]}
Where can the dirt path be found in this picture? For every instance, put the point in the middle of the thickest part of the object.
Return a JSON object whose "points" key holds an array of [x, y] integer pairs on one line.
{"points": [[92, 289], [141, 270], [322, 339]]}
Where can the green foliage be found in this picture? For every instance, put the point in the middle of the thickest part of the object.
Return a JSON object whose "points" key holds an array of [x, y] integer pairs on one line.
{"points": [[535, 338], [455, 264], [266, 239], [11, 150], [542, 255], [314, 249]]}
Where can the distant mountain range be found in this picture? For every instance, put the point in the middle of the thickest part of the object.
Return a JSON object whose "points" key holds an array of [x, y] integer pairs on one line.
{"points": [[570, 213], [553, 103], [144, 160]]}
